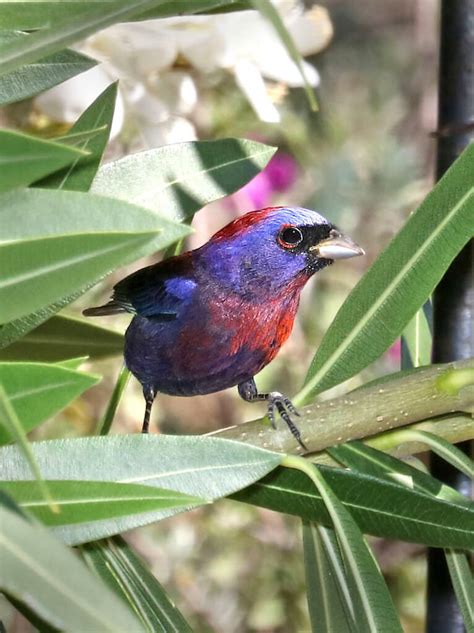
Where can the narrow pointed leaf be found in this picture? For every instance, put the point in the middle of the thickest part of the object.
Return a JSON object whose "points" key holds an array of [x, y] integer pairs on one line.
{"points": [[463, 583], [416, 339], [73, 363], [123, 571], [29, 16], [329, 600], [39, 75], [374, 610], [369, 461], [77, 138], [268, 10], [79, 175], [45, 575], [11, 426], [37, 391], [68, 29], [24, 159], [63, 337], [94, 509], [399, 282], [46, 255], [179, 179], [202, 467], [379, 507], [441, 447]]}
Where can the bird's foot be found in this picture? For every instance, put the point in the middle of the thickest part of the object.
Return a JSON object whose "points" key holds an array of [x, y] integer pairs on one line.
{"points": [[284, 406]]}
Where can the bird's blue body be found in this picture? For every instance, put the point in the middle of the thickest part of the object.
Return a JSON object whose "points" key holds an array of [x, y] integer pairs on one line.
{"points": [[212, 318]]}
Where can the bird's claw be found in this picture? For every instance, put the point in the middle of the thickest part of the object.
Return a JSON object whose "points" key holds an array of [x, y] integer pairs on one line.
{"points": [[285, 407]]}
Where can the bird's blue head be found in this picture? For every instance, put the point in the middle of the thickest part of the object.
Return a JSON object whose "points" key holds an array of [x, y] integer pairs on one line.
{"points": [[266, 251]]}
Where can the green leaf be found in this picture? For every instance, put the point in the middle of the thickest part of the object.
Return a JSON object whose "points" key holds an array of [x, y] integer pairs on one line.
{"points": [[73, 363], [374, 610], [10, 423], [124, 572], [48, 578], [441, 447], [79, 175], [78, 138], [24, 159], [417, 339], [181, 178], [369, 461], [94, 509], [37, 391], [268, 10], [399, 282], [63, 337], [329, 600], [117, 393], [379, 507], [203, 467], [463, 583], [29, 16], [38, 76], [77, 24], [46, 255]]}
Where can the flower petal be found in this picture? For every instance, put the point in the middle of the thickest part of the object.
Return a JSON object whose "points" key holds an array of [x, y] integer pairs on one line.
{"points": [[251, 83]]}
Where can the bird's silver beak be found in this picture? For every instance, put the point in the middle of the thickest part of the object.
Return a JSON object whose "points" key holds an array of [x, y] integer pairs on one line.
{"points": [[337, 246]]}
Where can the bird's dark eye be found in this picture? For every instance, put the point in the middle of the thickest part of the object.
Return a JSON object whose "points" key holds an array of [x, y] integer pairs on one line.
{"points": [[290, 237]]}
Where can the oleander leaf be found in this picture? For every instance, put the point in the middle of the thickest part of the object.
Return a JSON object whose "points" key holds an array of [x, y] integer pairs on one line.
{"points": [[329, 601], [63, 337], [373, 607], [379, 507], [203, 467], [179, 179], [46, 255], [48, 578], [77, 22], [29, 16], [11, 425], [24, 158], [37, 391], [38, 75], [96, 119], [399, 282], [122, 570], [268, 10], [463, 584], [94, 504]]}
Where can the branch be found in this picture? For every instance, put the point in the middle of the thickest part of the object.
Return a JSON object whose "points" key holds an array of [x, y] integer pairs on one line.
{"points": [[421, 395]]}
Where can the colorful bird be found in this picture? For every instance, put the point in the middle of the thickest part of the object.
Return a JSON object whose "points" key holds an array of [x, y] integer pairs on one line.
{"points": [[212, 318]]}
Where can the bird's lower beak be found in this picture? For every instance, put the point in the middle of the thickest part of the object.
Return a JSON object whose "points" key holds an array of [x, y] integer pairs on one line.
{"points": [[337, 246]]}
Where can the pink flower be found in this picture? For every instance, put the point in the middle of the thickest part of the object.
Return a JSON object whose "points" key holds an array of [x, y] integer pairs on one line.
{"points": [[277, 177]]}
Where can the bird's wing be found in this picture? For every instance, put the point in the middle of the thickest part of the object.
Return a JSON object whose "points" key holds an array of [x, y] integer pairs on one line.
{"points": [[159, 292], [154, 294]]}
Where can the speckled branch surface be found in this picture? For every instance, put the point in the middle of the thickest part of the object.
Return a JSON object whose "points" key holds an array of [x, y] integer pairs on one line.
{"points": [[441, 397]]}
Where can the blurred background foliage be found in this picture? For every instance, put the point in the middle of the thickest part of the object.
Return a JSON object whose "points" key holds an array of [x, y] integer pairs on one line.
{"points": [[364, 160]]}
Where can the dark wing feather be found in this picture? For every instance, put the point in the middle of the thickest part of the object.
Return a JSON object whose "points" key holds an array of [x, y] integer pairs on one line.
{"points": [[157, 292]]}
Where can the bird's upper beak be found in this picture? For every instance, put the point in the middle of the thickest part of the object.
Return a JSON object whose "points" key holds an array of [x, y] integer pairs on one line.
{"points": [[337, 246]]}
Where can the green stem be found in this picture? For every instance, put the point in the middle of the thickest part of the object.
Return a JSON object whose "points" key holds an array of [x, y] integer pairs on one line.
{"points": [[122, 380]]}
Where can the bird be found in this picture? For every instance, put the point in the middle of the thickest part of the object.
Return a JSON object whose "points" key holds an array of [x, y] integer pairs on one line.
{"points": [[212, 318]]}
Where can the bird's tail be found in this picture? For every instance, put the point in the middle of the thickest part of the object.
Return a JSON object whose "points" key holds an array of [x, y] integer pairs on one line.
{"points": [[109, 308]]}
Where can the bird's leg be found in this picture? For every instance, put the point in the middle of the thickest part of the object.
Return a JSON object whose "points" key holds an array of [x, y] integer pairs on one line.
{"points": [[149, 395], [248, 391]]}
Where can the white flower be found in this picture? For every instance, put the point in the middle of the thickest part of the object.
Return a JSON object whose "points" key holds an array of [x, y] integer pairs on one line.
{"points": [[159, 62]]}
